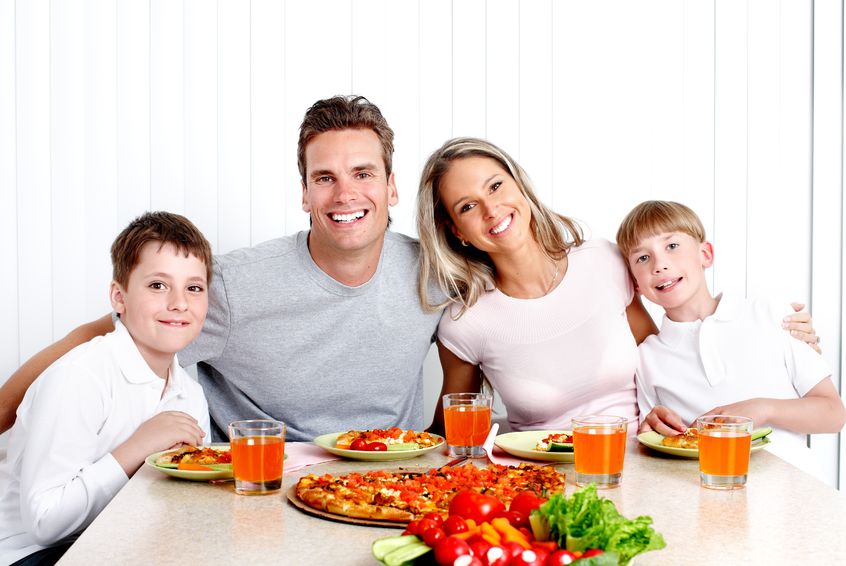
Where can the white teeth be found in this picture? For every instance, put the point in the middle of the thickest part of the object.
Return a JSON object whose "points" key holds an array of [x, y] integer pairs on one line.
{"points": [[665, 284], [502, 225], [348, 217]]}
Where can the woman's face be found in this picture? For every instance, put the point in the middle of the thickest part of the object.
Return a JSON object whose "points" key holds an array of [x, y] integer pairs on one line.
{"points": [[485, 204]]}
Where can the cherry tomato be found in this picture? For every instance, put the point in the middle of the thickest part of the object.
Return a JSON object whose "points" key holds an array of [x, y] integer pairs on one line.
{"points": [[525, 502], [591, 552], [376, 447], [560, 558], [497, 556], [528, 558], [516, 518], [424, 525], [448, 549], [455, 524], [437, 517], [413, 527], [358, 444], [433, 535], [479, 547], [513, 549], [476, 506]]}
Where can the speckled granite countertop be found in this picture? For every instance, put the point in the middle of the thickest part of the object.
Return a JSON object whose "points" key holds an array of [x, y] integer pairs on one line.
{"points": [[782, 516]]}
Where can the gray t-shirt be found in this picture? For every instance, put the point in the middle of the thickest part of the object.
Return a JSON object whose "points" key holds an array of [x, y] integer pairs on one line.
{"points": [[283, 340]]}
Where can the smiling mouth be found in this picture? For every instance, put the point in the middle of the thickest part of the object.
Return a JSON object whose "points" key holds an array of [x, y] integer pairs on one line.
{"points": [[502, 226], [348, 218], [175, 323], [667, 285]]}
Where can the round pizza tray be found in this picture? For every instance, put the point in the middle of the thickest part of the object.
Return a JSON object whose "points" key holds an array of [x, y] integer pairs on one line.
{"points": [[301, 505]]}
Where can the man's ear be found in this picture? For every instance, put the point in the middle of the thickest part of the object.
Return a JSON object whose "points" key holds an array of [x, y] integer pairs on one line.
{"points": [[116, 296], [306, 205], [393, 196], [707, 250]]}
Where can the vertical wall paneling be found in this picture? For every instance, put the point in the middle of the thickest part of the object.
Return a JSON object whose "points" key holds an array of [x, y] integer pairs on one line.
{"points": [[9, 306], [100, 110], [502, 60], [400, 104], [435, 56], [167, 100], [469, 67], [730, 142], [233, 122], [67, 174], [267, 100], [828, 197], [133, 109], [535, 76], [200, 80], [35, 275], [841, 382], [368, 47]]}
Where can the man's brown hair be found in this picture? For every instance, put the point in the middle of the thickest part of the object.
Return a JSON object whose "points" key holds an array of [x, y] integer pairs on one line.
{"points": [[656, 217], [162, 227], [345, 113]]}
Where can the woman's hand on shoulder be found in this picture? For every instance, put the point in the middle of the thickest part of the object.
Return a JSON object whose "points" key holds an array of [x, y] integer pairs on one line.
{"points": [[801, 326]]}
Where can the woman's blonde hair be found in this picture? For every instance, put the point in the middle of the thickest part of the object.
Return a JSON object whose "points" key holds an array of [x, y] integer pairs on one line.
{"points": [[463, 273]]}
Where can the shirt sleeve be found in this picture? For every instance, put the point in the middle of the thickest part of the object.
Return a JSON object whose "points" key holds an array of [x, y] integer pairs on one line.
{"points": [[647, 398], [456, 337], [66, 480], [212, 340]]}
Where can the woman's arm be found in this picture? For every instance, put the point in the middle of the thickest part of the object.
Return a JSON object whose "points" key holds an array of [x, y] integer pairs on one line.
{"points": [[459, 377], [12, 392], [640, 322]]}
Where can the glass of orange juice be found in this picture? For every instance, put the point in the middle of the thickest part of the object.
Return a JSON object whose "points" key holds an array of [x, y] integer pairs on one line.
{"points": [[599, 443], [258, 449], [467, 421], [724, 445]]}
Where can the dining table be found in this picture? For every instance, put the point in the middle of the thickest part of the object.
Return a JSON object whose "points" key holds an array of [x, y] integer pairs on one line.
{"points": [[782, 516]]}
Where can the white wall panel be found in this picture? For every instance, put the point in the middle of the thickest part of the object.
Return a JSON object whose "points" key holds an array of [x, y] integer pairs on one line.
{"points": [[201, 116], [35, 275], [67, 174], [502, 60], [435, 55], [167, 118], [267, 101], [469, 67], [9, 306]]}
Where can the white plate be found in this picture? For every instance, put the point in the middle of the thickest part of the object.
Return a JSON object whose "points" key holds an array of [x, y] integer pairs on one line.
{"points": [[194, 475], [328, 441], [522, 445], [653, 440]]}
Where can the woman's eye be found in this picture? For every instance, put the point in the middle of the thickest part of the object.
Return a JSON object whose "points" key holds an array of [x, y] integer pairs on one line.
{"points": [[466, 207], [496, 186]]}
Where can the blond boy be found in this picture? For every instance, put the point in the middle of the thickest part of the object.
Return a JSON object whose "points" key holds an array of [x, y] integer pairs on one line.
{"points": [[717, 355], [87, 423]]}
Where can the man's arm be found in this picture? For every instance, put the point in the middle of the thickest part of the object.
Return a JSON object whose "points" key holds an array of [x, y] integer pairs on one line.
{"points": [[12, 392]]}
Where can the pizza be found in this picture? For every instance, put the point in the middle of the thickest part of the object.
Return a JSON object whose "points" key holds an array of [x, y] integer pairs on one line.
{"points": [[689, 439], [188, 454], [393, 436], [556, 442], [403, 496]]}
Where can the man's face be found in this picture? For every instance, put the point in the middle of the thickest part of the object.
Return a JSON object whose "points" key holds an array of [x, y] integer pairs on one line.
{"points": [[347, 192]]}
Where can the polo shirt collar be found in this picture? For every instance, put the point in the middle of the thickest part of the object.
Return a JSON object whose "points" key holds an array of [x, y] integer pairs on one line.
{"points": [[674, 333], [134, 367]]}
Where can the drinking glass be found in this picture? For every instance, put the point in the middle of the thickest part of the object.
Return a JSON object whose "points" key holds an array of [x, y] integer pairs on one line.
{"points": [[599, 443], [258, 449], [724, 445], [467, 420]]}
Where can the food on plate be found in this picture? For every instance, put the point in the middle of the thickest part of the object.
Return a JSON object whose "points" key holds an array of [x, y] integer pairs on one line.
{"points": [[188, 454], [378, 440], [556, 442], [404, 496], [586, 521], [688, 439]]}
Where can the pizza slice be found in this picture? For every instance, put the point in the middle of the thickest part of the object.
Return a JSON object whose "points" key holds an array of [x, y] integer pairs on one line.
{"points": [[689, 439], [188, 454]]}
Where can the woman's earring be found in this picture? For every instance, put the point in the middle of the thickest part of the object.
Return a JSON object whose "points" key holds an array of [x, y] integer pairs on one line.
{"points": [[465, 244]]}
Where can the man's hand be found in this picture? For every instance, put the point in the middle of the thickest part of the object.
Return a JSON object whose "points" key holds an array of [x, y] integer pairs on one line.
{"points": [[663, 421]]}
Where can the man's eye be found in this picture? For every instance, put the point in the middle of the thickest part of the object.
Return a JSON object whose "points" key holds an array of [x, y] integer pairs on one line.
{"points": [[363, 175], [323, 179]]}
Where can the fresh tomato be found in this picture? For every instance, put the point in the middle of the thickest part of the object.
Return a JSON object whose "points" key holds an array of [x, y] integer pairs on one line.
{"points": [[455, 524], [525, 502], [516, 518], [591, 552], [529, 558], [376, 447], [448, 549], [560, 558], [433, 535], [358, 444], [412, 528], [424, 525], [496, 556], [437, 517], [513, 549], [476, 506]]}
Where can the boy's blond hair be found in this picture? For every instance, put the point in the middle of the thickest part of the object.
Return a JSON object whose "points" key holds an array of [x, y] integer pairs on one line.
{"points": [[656, 217]]}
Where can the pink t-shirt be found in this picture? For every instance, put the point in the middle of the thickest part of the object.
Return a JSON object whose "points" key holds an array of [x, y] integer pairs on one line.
{"points": [[567, 354]]}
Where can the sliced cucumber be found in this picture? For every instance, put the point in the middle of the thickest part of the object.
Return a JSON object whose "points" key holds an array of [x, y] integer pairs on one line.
{"points": [[406, 554], [384, 546], [560, 447], [403, 446]]}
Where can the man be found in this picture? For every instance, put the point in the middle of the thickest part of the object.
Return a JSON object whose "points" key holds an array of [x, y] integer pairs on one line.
{"points": [[321, 329]]}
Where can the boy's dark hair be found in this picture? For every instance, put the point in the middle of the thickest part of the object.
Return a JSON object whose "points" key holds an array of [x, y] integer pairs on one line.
{"points": [[345, 113], [162, 227], [655, 217]]}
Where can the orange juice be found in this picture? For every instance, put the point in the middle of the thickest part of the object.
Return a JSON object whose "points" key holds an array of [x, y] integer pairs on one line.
{"points": [[466, 425], [599, 450], [724, 453], [257, 459]]}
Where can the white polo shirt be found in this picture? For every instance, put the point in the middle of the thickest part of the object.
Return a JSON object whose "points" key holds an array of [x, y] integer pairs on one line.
{"points": [[739, 352], [59, 472]]}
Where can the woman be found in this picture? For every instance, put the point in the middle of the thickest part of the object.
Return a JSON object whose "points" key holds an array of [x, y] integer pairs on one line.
{"points": [[550, 319]]}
